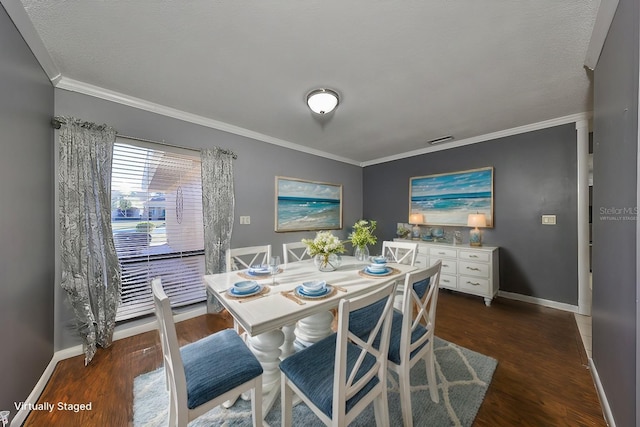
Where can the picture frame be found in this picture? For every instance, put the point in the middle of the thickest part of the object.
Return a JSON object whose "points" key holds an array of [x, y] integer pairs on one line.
{"points": [[447, 199], [303, 205]]}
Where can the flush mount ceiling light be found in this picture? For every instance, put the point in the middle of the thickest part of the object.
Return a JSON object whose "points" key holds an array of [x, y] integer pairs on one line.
{"points": [[322, 101]]}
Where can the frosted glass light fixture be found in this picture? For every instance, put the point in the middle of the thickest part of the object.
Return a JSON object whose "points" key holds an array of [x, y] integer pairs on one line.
{"points": [[476, 220], [322, 101]]}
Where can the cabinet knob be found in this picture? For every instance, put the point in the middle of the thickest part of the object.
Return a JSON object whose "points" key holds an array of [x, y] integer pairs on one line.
{"points": [[473, 256], [473, 283], [473, 268]]}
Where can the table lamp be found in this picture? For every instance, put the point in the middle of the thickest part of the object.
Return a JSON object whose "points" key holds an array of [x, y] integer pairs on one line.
{"points": [[415, 219], [476, 220]]}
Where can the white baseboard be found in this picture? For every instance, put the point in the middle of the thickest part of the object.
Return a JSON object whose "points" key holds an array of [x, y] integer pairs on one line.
{"points": [[604, 403], [78, 350], [539, 301]]}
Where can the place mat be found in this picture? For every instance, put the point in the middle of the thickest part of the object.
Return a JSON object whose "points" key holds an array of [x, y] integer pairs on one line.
{"points": [[265, 290], [379, 276], [334, 290], [246, 275]]}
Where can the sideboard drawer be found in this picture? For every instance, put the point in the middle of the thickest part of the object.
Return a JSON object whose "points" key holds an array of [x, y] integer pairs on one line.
{"points": [[474, 269], [468, 269], [449, 267], [447, 281], [474, 284], [422, 261], [438, 253], [474, 256]]}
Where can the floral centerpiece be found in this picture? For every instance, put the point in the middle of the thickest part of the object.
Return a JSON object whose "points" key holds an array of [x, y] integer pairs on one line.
{"points": [[362, 236], [325, 249]]}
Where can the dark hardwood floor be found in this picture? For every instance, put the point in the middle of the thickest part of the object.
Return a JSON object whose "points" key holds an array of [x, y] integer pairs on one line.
{"points": [[542, 378]]}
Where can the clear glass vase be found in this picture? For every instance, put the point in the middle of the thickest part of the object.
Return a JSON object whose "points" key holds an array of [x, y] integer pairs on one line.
{"points": [[361, 253], [327, 262]]}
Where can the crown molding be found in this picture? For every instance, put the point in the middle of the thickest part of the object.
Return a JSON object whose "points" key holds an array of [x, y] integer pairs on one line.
{"points": [[120, 98], [481, 138], [23, 23]]}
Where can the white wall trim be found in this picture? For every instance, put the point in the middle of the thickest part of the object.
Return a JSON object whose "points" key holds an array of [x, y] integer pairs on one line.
{"points": [[539, 301], [120, 98], [23, 23], [487, 137], [78, 350], [582, 179], [604, 17], [604, 403]]}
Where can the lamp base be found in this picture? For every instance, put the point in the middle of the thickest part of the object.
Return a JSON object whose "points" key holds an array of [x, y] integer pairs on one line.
{"points": [[475, 237], [415, 232]]}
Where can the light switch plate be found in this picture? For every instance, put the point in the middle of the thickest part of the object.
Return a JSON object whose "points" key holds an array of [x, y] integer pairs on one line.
{"points": [[246, 220], [548, 219]]}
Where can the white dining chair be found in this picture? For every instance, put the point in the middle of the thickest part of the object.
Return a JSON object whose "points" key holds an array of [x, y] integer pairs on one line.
{"points": [[205, 373], [295, 251], [412, 334], [401, 253], [241, 258], [341, 375]]}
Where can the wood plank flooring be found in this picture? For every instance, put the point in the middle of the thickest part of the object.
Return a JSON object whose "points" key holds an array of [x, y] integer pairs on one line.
{"points": [[542, 378]]}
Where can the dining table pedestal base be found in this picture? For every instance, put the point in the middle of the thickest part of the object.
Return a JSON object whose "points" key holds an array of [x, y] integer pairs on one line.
{"points": [[312, 329], [266, 348]]}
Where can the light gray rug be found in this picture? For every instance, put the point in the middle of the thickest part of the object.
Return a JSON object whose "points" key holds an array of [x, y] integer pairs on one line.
{"points": [[463, 379]]}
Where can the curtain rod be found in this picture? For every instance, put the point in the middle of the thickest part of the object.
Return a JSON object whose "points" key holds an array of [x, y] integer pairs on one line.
{"points": [[57, 122]]}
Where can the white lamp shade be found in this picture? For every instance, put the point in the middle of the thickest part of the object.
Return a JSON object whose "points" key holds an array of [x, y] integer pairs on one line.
{"points": [[322, 101], [477, 220], [416, 218]]}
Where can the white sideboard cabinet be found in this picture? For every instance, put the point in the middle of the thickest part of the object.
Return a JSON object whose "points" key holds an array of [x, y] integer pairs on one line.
{"points": [[469, 269]]}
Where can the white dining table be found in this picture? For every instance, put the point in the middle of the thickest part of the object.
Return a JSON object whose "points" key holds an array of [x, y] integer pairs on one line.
{"points": [[276, 325]]}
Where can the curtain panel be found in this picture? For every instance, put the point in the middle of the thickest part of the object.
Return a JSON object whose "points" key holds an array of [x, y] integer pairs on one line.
{"points": [[90, 269], [218, 202]]}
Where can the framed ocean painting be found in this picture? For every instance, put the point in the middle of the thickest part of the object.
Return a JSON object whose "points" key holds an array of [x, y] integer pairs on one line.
{"points": [[447, 199], [307, 205]]}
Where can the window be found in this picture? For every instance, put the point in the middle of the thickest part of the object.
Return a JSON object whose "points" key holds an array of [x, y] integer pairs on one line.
{"points": [[156, 215]]}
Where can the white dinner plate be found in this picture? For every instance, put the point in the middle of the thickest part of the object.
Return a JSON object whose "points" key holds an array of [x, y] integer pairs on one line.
{"points": [[384, 272], [231, 291], [301, 292], [258, 271]]}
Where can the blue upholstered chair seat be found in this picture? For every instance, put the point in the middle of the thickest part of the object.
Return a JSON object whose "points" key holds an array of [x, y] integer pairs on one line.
{"points": [[215, 365], [312, 371], [394, 343]]}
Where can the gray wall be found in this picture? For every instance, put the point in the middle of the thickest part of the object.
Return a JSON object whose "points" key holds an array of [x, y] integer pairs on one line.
{"points": [[615, 257], [534, 174], [255, 169], [26, 218]]}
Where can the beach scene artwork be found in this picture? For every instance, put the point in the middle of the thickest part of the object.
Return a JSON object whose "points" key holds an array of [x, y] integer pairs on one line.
{"points": [[448, 199], [307, 205]]}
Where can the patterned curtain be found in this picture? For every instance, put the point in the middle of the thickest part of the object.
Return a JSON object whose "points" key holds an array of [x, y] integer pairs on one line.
{"points": [[90, 269], [218, 208]]}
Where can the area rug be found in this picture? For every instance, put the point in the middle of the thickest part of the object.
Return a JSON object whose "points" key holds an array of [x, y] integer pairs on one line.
{"points": [[463, 379]]}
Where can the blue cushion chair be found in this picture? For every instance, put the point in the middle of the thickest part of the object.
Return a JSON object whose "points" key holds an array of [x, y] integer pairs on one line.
{"points": [[342, 374], [412, 334], [205, 373]]}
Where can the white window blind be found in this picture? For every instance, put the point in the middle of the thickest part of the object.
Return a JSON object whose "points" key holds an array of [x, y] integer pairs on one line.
{"points": [[156, 215]]}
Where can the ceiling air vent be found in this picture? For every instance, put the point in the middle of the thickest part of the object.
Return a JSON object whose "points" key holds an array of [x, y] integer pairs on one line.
{"points": [[440, 140]]}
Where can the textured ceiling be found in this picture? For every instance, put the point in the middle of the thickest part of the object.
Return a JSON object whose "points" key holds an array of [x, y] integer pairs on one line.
{"points": [[407, 71]]}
